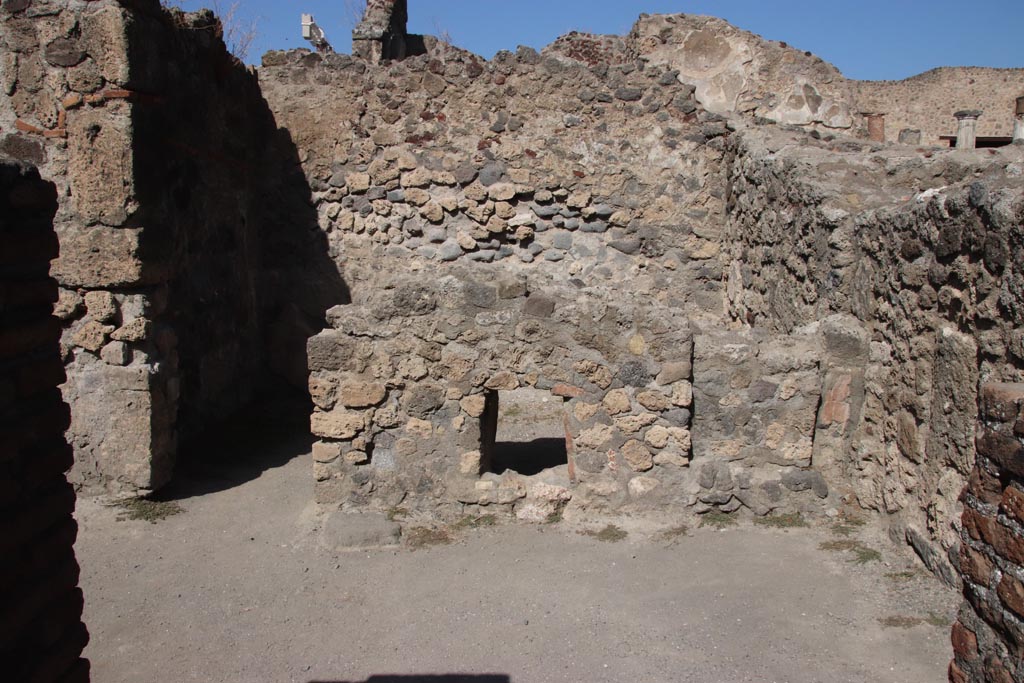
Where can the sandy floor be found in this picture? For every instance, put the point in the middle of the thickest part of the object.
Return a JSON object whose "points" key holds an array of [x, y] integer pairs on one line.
{"points": [[241, 587]]}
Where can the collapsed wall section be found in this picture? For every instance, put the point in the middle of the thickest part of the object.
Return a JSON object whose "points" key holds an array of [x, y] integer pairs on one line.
{"points": [[41, 630]]}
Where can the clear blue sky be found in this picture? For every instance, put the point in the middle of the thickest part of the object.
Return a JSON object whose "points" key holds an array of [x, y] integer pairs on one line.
{"points": [[866, 39]]}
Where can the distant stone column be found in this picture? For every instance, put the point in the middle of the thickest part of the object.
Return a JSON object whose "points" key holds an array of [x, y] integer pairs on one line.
{"points": [[1018, 121], [876, 126], [967, 128]]}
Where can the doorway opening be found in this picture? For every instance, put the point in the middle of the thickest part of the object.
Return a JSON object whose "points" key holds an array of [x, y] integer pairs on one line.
{"points": [[522, 431]]}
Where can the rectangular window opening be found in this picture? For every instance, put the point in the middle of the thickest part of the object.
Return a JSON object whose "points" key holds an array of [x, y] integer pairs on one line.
{"points": [[523, 431]]}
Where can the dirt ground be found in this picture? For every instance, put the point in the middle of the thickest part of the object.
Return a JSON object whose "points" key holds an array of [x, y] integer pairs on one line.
{"points": [[243, 585]]}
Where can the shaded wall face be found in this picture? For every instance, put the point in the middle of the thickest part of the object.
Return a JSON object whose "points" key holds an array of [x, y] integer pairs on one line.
{"points": [[41, 634], [169, 169], [68, 107]]}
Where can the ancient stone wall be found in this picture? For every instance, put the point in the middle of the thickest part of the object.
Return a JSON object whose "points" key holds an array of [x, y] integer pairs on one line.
{"points": [[559, 170], [735, 71], [988, 637], [161, 145], [928, 101], [578, 183], [927, 277], [41, 632], [403, 382]]}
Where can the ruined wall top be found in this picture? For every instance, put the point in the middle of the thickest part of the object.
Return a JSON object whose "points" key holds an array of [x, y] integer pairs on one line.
{"points": [[381, 34], [735, 71]]}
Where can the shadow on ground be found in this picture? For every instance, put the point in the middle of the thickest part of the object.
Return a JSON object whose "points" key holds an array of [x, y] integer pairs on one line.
{"points": [[266, 435], [445, 678]]}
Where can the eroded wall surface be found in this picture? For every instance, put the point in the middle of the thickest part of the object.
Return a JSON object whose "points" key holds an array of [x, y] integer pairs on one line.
{"points": [[41, 630]]}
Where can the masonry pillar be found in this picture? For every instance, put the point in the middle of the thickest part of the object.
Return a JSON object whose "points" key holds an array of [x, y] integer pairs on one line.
{"points": [[1018, 121], [381, 35], [967, 128], [876, 126]]}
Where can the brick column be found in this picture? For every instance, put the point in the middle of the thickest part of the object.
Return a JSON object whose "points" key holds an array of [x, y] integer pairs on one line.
{"points": [[988, 638], [876, 126]]}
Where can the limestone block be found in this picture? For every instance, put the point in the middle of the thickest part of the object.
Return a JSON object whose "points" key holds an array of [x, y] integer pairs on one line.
{"points": [[69, 303], [584, 411], [657, 437], [361, 394], [92, 335], [954, 400], [101, 256], [326, 451], [595, 437], [116, 426], [133, 330], [386, 417], [100, 306], [596, 373], [639, 487], [502, 192], [473, 405], [616, 402], [337, 424], [504, 380], [358, 183], [654, 400], [682, 394], [417, 196], [356, 457], [116, 353], [419, 428], [433, 212], [418, 178], [631, 424], [101, 169], [469, 463], [637, 456], [578, 200], [105, 39]]}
